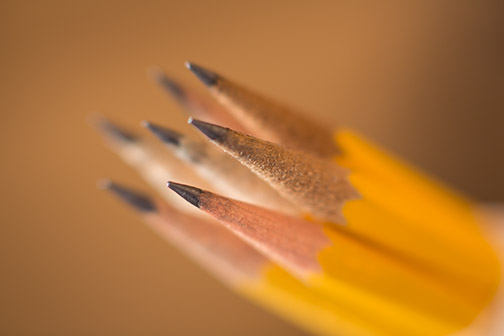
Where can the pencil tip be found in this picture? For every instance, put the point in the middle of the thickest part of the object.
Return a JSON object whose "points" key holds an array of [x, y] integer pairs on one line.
{"points": [[190, 194], [208, 77], [157, 75], [212, 131], [166, 135], [137, 200], [112, 130]]}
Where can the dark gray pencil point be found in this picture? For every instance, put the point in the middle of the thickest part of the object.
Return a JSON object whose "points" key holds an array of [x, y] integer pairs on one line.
{"points": [[209, 78], [190, 194], [137, 200], [116, 132], [212, 131], [166, 135], [167, 83]]}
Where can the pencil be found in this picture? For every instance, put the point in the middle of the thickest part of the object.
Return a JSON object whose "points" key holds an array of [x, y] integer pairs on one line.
{"points": [[344, 269], [243, 269], [266, 119], [226, 174]]}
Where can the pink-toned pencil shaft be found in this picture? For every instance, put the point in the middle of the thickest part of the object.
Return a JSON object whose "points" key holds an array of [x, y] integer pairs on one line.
{"points": [[289, 240]]}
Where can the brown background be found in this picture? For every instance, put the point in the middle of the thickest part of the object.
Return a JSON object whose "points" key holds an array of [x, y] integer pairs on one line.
{"points": [[426, 80]]}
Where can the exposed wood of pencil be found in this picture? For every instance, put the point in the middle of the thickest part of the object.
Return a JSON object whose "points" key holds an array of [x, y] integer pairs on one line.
{"points": [[315, 185], [240, 266], [193, 102], [341, 266], [215, 249], [302, 241], [222, 171], [266, 119], [153, 167]]}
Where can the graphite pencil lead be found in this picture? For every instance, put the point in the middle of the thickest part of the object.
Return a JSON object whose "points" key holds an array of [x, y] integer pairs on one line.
{"points": [[214, 132], [171, 86], [190, 194], [209, 78], [164, 134], [114, 131], [137, 200]]}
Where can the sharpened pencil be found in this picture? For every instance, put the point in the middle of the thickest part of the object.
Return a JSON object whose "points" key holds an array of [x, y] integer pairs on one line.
{"points": [[243, 269], [266, 119], [345, 269], [316, 185]]}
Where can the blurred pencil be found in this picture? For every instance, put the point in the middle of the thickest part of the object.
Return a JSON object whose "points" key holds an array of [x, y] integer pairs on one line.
{"points": [[200, 237], [266, 119], [154, 168]]}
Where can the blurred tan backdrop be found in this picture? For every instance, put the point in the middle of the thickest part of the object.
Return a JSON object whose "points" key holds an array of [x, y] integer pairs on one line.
{"points": [[424, 79]]}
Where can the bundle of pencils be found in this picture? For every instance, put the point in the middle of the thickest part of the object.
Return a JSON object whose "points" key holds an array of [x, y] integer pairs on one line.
{"points": [[319, 226]]}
